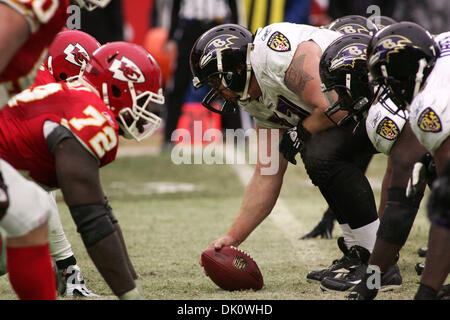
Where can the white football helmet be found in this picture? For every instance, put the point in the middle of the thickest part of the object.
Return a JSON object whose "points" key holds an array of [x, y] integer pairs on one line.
{"points": [[91, 5]]}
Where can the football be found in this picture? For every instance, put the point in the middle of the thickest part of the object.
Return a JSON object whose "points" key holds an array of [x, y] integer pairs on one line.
{"points": [[232, 269]]}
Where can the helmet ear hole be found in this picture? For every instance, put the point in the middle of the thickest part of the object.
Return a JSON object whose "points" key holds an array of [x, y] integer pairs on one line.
{"points": [[116, 92], [63, 76]]}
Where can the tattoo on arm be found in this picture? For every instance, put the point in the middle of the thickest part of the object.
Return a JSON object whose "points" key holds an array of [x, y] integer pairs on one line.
{"points": [[296, 78]]}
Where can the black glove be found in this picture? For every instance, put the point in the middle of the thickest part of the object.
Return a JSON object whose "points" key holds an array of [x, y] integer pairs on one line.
{"points": [[324, 228], [4, 198], [294, 141]]}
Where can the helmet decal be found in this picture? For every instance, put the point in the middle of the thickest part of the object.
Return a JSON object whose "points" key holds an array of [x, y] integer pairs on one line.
{"points": [[220, 42], [76, 54], [279, 42], [352, 28], [126, 70], [388, 45], [348, 55]]}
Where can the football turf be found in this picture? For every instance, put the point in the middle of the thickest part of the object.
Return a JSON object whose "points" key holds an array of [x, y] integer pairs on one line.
{"points": [[170, 213]]}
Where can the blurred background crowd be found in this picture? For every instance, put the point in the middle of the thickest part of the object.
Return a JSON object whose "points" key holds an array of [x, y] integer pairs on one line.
{"points": [[169, 28]]}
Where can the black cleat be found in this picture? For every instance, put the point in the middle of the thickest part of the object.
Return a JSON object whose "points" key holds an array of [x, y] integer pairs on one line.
{"points": [[345, 282], [339, 267], [390, 280], [419, 268], [444, 293], [422, 252]]}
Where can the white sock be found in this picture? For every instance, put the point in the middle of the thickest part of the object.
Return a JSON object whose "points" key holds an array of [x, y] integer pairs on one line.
{"points": [[60, 247], [349, 239], [367, 235]]}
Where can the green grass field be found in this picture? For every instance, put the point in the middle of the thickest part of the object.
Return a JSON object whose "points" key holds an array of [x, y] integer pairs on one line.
{"points": [[169, 214]]}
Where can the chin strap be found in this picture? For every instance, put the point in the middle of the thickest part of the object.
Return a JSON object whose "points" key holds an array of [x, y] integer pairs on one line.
{"points": [[245, 96]]}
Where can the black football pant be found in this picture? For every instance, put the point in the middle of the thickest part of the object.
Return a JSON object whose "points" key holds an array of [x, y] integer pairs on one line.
{"points": [[333, 160]]}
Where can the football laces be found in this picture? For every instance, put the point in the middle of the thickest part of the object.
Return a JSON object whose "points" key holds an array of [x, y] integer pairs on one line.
{"points": [[242, 251]]}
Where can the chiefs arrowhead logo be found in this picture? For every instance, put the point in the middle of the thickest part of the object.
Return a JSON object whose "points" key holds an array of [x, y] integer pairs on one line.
{"points": [[76, 54], [126, 70]]}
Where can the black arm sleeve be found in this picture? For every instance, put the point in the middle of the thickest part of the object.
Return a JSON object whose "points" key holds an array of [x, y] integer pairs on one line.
{"points": [[56, 136]]}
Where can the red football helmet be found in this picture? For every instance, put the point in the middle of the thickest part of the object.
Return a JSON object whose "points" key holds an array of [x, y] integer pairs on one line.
{"points": [[92, 4], [128, 79], [68, 52]]}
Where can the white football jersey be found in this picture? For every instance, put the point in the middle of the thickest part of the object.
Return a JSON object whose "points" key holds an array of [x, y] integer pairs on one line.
{"points": [[274, 48], [430, 109], [384, 123]]}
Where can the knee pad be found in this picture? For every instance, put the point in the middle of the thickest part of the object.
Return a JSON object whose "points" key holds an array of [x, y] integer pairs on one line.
{"points": [[398, 217], [94, 222]]}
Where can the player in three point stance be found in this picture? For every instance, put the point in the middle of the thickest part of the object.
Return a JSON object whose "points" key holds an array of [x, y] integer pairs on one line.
{"points": [[61, 133], [406, 59], [352, 24], [67, 53], [27, 27], [275, 77], [343, 71]]}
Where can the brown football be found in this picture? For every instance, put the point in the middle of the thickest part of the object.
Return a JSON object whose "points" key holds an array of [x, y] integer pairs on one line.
{"points": [[232, 269]]}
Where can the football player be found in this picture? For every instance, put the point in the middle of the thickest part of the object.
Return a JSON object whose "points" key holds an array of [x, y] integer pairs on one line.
{"points": [[345, 82], [67, 56], [275, 77], [414, 67], [27, 27], [61, 133], [352, 24]]}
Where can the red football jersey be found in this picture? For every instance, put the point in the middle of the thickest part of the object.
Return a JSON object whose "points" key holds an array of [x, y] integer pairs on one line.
{"points": [[22, 140], [43, 76], [45, 18]]}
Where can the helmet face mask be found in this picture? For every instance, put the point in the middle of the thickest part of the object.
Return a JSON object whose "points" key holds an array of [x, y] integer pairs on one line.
{"points": [[138, 122], [339, 98], [91, 5], [128, 80], [220, 58]]}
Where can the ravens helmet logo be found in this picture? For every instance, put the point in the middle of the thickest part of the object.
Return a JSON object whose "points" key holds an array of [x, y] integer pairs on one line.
{"points": [[221, 42], [353, 28], [388, 45], [348, 55]]}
